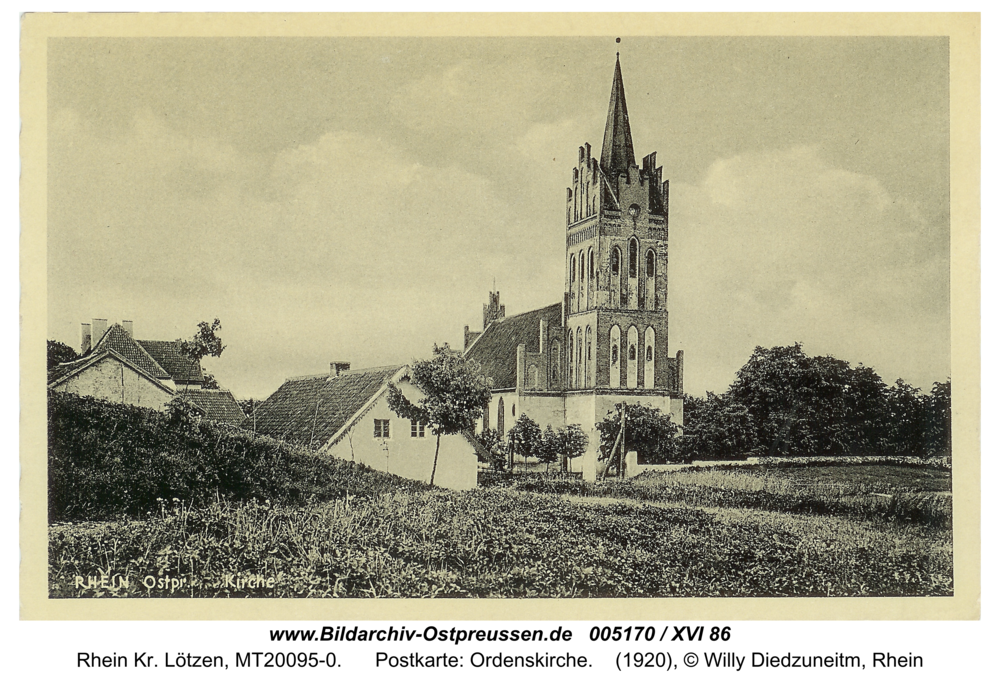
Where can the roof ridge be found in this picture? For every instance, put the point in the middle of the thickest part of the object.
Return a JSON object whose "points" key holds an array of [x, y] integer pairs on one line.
{"points": [[349, 372], [530, 311]]}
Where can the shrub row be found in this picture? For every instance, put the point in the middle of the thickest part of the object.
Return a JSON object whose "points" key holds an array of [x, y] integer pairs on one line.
{"points": [[109, 460]]}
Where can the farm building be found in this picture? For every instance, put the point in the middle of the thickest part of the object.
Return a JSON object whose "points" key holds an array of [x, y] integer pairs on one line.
{"points": [[606, 342], [344, 413], [144, 373]]}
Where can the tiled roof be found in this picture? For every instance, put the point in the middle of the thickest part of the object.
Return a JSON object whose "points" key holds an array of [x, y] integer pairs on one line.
{"points": [[496, 348], [218, 405], [116, 340], [309, 411], [168, 355]]}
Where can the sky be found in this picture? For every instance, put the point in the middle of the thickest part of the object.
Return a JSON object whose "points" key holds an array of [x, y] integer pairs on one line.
{"points": [[356, 198]]}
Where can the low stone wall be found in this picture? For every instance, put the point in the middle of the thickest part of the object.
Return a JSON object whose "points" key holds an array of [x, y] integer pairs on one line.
{"points": [[633, 468]]}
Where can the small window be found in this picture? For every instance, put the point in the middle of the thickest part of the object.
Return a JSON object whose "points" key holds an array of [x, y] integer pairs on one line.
{"points": [[615, 261], [649, 353], [382, 428], [650, 264], [416, 428], [631, 352], [591, 263], [572, 269], [614, 354]]}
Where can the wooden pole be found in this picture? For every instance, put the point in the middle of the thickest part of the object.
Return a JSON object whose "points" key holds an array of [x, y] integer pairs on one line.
{"points": [[621, 461]]}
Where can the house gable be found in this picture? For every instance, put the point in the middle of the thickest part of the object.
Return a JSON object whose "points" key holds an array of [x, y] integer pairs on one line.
{"points": [[108, 376]]}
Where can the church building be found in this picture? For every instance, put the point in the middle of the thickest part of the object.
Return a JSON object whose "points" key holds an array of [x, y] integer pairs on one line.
{"points": [[607, 341]]}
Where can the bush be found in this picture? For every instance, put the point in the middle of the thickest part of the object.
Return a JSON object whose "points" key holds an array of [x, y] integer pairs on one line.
{"points": [[109, 460], [494, 443], [651, 433]]}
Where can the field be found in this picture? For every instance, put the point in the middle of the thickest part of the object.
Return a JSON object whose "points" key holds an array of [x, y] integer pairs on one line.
{"points": [[857, 530]]}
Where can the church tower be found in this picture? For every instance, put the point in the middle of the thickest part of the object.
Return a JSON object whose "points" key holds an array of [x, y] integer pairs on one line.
{"points": [[616, 266]]}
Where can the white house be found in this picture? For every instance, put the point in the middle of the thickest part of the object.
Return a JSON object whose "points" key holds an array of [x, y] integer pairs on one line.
{"points": [[345, 414]]}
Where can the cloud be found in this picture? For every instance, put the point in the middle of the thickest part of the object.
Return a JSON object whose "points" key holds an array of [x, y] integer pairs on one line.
{"points": [[346, 246], [780, 246]]}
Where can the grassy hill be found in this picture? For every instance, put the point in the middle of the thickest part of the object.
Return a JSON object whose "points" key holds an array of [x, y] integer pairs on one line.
{"points": [[146, 504]]}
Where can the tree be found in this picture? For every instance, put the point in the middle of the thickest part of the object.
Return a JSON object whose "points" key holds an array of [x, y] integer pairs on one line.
{"points": [[453, 396], [549, 447], [59, 353], [904, 426], [205, 343], [648, 431], [784, 402], [937, 419], [810, 405], [525, 437], [571, 443], [716, 426]]}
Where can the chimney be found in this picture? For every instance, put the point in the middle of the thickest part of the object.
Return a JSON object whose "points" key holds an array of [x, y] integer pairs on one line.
{"points": [[100, 328], [337, 368], [127, 325], [85, 340]]}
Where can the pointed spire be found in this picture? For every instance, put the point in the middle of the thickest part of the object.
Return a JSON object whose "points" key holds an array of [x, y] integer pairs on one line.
{"points": [[617, 154]]}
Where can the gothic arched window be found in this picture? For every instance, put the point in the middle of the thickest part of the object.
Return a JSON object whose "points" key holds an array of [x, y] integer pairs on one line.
{"points": [[590, 256], [581, 367], [650, 264], [649, 368], [631, 353], [572, 367], [633, 258], [616, 258], [615, 367]]}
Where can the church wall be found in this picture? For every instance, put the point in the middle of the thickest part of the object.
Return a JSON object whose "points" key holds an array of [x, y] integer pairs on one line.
{"points": [[545, 410], [580, 409], [510, 401], [677, 410]]}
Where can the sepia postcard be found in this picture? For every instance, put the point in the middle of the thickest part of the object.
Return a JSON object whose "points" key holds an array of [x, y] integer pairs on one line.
{"points": [[500, 316]]}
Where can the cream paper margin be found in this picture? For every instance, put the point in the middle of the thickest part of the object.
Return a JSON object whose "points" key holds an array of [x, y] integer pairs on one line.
{"points": [[964, 32]]}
